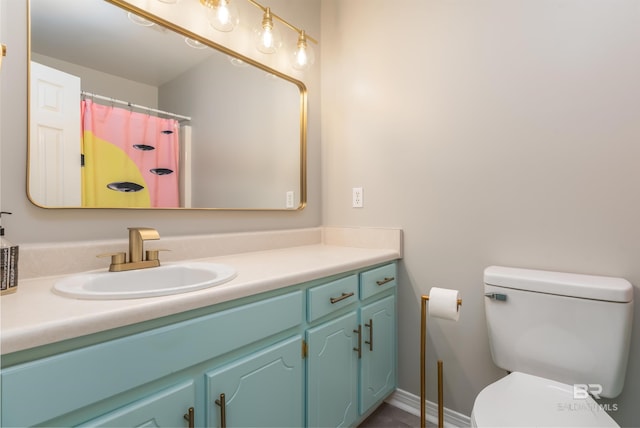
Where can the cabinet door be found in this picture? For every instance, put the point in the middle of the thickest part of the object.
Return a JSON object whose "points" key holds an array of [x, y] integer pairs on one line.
{"points": [[163, 409], [261, 390], [378, 363], [332, 375]]}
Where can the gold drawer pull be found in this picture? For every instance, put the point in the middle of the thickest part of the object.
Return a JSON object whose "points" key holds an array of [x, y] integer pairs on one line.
{"points": [[370, 341], [223, 411], [359, 348], [342, 297], [384, 281], [190, 417]]}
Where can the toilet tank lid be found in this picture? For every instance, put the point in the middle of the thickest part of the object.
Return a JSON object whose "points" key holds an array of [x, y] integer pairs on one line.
{"points": [[565, 284]]}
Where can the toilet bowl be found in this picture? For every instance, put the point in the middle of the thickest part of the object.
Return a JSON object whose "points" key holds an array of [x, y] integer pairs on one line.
{"points": [[560, 336], [523, 400]]}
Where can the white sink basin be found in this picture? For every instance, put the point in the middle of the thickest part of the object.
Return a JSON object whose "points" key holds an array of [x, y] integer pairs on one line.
{"points": [[159, 281]]}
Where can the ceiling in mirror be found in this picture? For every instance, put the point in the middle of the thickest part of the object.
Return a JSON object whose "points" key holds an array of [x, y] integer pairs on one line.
{"points": [[166, 120]]}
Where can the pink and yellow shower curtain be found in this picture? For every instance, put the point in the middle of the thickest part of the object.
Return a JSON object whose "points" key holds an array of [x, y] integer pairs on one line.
{"points": [[130, 159]]}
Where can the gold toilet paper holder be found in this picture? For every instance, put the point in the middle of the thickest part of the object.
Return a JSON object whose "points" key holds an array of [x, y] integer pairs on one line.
{"points": [[423, 357]]}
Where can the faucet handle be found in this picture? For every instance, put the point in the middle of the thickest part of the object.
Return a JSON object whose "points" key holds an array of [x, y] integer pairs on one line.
{"points": [[116, 258], [153, 254]]}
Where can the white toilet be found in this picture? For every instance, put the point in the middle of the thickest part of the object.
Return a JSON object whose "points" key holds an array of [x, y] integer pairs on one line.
{"points": [[564, 338]]}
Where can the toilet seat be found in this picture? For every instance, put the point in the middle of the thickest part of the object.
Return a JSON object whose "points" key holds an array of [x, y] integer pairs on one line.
{"points": [[520, 400]]}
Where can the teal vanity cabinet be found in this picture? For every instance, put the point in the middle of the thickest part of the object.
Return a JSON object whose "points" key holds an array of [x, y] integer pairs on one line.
{"points": [[318, 354], [154, 377], [332, 363], [351, 363]]}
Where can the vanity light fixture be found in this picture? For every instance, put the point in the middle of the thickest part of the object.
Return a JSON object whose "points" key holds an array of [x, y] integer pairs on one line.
{"points": [[303, 56], [223, 14], [268, 38]]}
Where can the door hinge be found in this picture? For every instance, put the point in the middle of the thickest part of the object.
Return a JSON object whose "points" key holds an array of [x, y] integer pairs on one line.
{"points": [[305, 349]]}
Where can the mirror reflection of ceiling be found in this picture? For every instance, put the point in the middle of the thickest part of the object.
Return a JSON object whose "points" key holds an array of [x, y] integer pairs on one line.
{"points": [[142, 51], [247, 124]]}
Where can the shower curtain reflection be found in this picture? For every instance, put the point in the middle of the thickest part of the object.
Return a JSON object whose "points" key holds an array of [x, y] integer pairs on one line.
{"points": [[130, 159]]}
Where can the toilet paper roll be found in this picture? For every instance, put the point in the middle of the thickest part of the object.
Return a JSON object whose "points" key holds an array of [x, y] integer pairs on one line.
{"points": [[443, 303]]}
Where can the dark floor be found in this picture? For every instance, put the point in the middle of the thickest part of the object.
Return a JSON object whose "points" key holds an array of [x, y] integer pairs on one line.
{"points": [[388, 416]]}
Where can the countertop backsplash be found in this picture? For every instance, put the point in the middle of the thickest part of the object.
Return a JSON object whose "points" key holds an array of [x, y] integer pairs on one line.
{"points": [[50, 259]]}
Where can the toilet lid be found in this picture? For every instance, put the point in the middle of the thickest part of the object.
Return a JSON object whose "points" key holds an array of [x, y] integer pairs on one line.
{"points": [[522, 400]]}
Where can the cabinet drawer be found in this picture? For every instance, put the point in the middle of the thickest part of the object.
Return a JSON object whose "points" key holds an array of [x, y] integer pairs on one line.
{"points": [[332, 296], [67, 381], [377, 280]]}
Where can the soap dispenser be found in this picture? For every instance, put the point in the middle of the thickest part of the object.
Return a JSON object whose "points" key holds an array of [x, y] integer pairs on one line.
{"points": [[8, 263]]}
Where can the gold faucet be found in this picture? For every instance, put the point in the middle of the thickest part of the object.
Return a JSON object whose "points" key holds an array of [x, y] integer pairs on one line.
{"points": [[138, 259]]}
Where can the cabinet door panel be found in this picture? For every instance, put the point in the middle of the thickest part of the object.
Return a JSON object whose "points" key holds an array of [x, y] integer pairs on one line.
{"points": [[164, 409], [261, 390], [377, 375], [332, 373]]}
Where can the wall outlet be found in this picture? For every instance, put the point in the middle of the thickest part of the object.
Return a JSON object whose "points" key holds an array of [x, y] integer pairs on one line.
{"points": [[358, 201], [290, 201]]}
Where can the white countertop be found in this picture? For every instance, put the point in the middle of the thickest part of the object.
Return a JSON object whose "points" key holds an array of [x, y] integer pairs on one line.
{"points": [[35, 316]]}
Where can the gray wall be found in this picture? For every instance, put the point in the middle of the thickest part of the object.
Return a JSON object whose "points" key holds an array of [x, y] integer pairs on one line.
{"points": [[32, 224], [246, 150], [493, 132]]}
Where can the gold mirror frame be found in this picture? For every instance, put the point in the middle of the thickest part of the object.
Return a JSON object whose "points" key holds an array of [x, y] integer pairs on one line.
{"points": [[220, 48]]}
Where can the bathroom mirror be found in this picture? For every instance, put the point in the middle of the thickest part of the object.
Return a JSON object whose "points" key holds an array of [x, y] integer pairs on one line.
{"points": [[167, 119]]}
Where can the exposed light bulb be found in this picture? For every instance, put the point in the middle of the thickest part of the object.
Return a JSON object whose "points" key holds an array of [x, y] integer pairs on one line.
{"points": [[303, 56], [223, 15], [268, 38]]}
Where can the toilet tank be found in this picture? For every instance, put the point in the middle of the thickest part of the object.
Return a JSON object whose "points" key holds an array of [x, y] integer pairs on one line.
{"points": [[575, 329]]}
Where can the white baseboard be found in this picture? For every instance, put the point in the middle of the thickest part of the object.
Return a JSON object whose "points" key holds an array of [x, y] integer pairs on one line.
{"points": [[411, 403]]}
